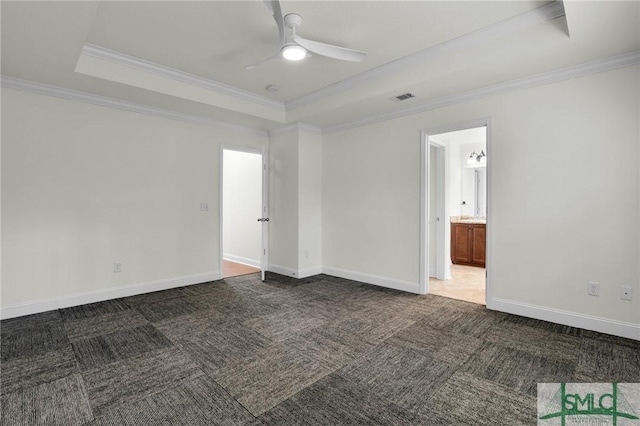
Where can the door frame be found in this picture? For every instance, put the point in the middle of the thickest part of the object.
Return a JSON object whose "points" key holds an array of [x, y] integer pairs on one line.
{"points": [[264, 153], [425, 158], [441, 205], [442, 267]]}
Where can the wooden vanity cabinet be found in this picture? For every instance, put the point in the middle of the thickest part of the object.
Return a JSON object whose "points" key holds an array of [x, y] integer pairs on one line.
{"points": [[468, 244]]}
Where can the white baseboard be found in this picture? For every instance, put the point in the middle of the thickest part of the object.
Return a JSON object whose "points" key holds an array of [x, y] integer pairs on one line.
{"points": [[309, 272], [411, 287], [573, 319], [350, 275], [240, 259], [43, 305], [433, 273], [290, 272], [283, 270]]}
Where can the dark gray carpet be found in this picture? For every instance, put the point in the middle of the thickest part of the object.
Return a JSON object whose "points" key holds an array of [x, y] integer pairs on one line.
{"points": [[97, 351], [94, 309], [334, 400], [197, 402], [32, 341], [518, 369], [104, 324], [462, 400], [29, 371], [317, 351], [269, 376], [402, 376], [59, 402], [130, 380]]}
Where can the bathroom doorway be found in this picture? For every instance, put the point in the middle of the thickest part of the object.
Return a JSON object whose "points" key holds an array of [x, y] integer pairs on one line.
{"points": [[455, 199]]}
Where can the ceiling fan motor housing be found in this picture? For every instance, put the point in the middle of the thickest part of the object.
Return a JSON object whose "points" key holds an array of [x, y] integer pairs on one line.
{"points": [[292, 20]]}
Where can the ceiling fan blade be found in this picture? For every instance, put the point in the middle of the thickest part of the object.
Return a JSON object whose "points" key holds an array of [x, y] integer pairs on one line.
{"points": [[276, 12], [331, 51], [272, 58]]}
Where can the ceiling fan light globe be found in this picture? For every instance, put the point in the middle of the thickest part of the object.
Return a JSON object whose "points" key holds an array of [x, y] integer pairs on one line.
{"points": [[294, 52]]}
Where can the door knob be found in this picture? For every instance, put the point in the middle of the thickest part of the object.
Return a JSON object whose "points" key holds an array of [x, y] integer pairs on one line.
{"points": [[263, 219]]}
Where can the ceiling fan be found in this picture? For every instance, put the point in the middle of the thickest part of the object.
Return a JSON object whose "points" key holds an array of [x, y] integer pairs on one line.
{"points": [[294, 48]]}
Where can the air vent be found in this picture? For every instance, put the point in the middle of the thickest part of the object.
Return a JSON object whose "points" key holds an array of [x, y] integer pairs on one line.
{"points": [[402, 97]]}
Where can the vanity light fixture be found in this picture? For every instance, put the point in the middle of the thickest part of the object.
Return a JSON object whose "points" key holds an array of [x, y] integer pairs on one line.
{"points": [[477, 158]]}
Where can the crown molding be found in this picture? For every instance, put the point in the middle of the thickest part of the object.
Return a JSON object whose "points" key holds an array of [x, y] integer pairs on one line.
{"points": [[601, 65], [75, 95], [103, 53], [544, 13], [302, 127], [283, 130]]}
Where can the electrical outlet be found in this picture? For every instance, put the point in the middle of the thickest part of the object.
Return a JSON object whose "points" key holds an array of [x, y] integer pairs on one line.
{"points": [[626, 293], [117, 266], [593, 288]]}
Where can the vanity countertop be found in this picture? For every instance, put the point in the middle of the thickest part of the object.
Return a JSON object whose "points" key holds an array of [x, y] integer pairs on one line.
{"points": [[469, 219]]}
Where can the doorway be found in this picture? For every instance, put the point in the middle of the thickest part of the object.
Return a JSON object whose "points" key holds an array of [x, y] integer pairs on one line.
{"points": [[454, 215], [243, 245]]}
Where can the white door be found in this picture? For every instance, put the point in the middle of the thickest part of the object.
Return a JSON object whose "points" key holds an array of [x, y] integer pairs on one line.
{"points": [[264, 259], [438, 261]]}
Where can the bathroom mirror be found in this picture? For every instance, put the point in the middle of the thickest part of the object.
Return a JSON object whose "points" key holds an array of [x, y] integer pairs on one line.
{"points": [[474, 191]]}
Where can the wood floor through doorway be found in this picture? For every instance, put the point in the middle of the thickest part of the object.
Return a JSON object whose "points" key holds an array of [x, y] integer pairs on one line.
{"points": [[234, 269]]}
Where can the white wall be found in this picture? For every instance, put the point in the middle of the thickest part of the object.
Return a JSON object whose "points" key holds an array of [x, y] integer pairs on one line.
{"points": [[84, 186], [433, 209], [310, 208], [283, 203], [242, 206], [371, 205], [295, 238], [566, 212], [455, 181]]}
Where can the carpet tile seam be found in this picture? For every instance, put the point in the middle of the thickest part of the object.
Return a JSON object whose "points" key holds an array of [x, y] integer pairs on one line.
{"points": [[229, 394], [279, 403], [79, 372], [119, 405]]}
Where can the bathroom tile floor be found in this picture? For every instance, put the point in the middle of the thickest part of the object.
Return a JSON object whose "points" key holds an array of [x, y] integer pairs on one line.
{"points": [[467, 283]]}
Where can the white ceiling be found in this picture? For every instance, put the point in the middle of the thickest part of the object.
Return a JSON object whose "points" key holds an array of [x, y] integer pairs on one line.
{"points": [[433, 49], [216, 40]]}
